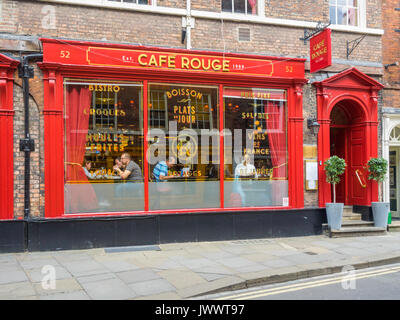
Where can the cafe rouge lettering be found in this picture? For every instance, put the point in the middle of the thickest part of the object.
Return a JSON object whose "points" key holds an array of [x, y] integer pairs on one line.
{"points": [[178, 61]]}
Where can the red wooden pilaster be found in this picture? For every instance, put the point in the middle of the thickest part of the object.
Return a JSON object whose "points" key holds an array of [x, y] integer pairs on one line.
{"points": [[146, 144], [295, 147], [323, 145], [373, 141], [7, 68], [53, 144]]}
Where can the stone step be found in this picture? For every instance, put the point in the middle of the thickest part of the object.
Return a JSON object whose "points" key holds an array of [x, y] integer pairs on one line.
{"points": [[356, 223], [351, 216], [355, 232], [347, 209], [394, 226]]}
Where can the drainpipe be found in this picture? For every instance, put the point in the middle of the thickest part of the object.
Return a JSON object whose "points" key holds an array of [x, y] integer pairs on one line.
{"points": [[27, 144], [188, 33], [187, 25]]}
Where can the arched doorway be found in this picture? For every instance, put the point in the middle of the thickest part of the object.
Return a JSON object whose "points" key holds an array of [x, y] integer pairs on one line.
{"points": [[347, 109], [347, 141]]}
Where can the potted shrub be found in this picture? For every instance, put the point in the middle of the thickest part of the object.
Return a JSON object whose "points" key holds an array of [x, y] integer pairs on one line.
{"points": [[377, 168], [334, 167]]}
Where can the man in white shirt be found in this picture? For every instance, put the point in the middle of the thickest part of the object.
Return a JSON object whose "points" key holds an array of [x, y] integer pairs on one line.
{"points": [[246, 169]]}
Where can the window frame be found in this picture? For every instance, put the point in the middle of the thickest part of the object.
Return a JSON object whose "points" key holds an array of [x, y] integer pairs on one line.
{"points": [[257, 3], [361, 15]]}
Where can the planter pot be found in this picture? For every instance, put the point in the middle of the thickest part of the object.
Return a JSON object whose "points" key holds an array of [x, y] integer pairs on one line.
{"points": [[380, 211], [334, 212]]}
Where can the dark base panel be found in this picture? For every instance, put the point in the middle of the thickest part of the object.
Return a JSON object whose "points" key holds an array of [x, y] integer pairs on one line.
{"points": [[366, 212], [100, 232], [12, 236]]}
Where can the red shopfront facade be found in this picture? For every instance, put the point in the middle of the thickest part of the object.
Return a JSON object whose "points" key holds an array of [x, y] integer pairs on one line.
{"points": [[87, 84], [231, 123]]}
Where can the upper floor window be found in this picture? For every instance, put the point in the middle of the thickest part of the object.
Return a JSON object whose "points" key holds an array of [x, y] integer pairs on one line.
{"points": [[134, 1], [344, 12], [240, 6]]}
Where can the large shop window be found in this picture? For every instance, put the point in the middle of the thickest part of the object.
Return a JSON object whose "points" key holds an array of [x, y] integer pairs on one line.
{"points": [[183, 147], [103, 147], [255, 148]]}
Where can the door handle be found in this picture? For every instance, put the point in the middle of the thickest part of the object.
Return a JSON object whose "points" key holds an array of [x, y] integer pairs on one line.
{"points": [[359, 179]]}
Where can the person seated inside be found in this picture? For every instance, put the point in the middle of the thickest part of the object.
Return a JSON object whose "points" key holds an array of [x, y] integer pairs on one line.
{"points": [[160, 171], [131, 172], [245, 169], [118, 164], [87, 165]]}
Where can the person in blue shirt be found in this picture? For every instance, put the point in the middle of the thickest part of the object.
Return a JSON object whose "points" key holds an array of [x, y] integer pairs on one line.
{"points": [[160, 171], [160, 176]]}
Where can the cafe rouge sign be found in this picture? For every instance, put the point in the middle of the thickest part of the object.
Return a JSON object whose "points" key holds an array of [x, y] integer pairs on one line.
{"points": [[320, 51], [72, 53]]}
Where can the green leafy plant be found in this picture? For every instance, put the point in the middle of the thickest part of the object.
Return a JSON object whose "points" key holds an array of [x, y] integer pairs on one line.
{"points": [[377, 168], [334, 167]]}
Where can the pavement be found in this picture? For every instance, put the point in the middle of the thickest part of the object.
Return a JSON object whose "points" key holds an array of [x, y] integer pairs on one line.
{"points": [[185, 270]]}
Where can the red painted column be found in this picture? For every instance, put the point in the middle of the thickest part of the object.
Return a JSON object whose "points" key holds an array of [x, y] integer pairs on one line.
{"points": [[221, 145], [6, 140], [373, 140], [145, 144], [324, 194], [53, 143], [295, 147]]}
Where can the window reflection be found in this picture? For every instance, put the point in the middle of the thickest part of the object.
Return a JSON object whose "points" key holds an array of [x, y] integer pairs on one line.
{"points": [[183, 147], [255, 147], [103, 147]]}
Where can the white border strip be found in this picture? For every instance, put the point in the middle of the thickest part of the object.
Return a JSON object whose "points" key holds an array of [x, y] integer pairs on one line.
{"points": [[214, 15]]}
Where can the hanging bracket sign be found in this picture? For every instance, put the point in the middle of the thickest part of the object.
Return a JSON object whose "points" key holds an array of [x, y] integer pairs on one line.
{"points": [[320, 51]]}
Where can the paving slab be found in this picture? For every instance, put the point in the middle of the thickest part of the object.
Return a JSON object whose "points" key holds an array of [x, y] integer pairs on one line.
{"points": [[152, 287], [28, 264], [16, 290], [118, 265], [235, 262], [12, 276], [137, 275], [37, 275], [277, 263], [84, 267], [182, 279], [161, 296], [108, 289], [61, 286], [231, 282], [75, 295]]}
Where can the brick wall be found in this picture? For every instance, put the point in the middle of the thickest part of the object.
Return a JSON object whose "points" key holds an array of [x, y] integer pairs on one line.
{"points": [[37, 160], [391, 53]]}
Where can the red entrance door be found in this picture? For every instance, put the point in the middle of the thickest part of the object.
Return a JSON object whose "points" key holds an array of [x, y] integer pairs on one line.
{"points": [[348, 141], [356, 166], [339, 148]]}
